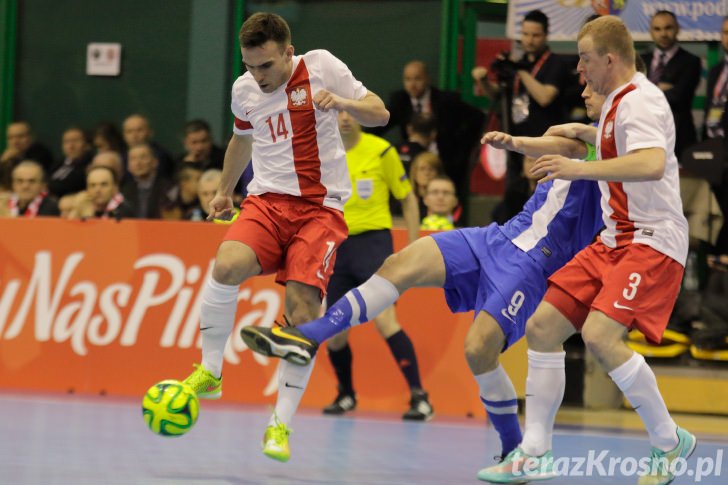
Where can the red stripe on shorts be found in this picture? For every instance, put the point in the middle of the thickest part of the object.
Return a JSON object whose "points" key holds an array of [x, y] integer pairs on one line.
{"points": [[305, 146]]}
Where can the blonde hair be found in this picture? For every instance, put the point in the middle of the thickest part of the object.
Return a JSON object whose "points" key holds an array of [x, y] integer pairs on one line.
{"points": [[609, 34], [424, 158]]}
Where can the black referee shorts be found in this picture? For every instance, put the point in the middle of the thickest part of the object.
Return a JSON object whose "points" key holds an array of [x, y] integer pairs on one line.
{"points": [[357, 259]]}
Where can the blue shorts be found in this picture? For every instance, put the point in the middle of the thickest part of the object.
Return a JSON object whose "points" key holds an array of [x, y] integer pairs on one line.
{"points": [[486, 272]]}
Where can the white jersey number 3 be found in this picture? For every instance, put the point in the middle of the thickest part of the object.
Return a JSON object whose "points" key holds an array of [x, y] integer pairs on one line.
{"points": [[631, 291]]}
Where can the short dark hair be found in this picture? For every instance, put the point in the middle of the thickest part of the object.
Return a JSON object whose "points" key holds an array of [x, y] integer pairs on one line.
{"points": [[193, 126], [422, 123], [445, 178], [539, 17], [665, 12], [84, 133], [262, 27]]}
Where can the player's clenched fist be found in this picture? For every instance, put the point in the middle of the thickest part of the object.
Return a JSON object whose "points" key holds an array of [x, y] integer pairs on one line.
{"points": [[325, 101], [221, 208]]}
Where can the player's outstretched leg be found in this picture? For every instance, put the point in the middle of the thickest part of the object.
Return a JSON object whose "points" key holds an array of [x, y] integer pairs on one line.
{"points": [[299, 345], [419, 264]]}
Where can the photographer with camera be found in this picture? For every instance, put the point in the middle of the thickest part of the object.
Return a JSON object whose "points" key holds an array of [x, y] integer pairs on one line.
{"points": [[531, 87]]}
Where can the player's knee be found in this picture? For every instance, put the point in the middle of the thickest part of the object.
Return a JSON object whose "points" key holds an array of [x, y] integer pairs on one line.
{"points": [[482, 350], [539, 335], [233, 266], [598, 340], [392, 269], [226, 272]]}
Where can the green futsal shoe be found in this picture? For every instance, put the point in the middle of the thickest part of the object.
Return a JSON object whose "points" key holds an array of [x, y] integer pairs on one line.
{"points": [[662, 463], [275, 442], [518, 467], [204, 383]]}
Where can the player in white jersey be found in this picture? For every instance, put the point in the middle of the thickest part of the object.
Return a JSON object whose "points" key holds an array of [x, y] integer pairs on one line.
{"points": [[291, 223], [628, 278]]}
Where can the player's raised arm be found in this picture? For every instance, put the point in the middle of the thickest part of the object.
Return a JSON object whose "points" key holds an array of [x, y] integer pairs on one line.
{"points": [[536, 146], [368, 111]]}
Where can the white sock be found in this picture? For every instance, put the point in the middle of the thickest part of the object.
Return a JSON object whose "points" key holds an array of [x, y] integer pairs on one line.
{"points": [[377, 293], [500, 401], [544, 392], [217, 315], [638, 383], [496, 386], [292, 382]]}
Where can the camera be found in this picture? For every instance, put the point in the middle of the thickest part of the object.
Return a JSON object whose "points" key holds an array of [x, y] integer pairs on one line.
{"points": [[504, 68]]}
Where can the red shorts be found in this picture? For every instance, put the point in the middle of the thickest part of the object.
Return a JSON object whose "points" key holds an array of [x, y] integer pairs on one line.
{"points": [[634, 285], [291, 236]]}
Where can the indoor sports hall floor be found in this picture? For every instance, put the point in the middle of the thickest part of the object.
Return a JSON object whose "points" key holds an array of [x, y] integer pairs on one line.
{"points": [[54, 439]]}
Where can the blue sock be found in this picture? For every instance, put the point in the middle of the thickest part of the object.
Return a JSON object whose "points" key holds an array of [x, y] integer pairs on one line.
{"points": [[357, 306], [503, 415]]}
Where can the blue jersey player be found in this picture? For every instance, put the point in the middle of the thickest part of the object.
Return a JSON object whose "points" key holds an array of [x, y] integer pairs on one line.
{"points": [[500, 272]]}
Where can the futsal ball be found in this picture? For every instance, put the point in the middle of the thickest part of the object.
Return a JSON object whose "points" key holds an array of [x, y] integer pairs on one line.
{"points": [[170, 408]]}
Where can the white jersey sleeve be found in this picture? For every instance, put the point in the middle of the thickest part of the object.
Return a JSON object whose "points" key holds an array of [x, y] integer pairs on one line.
{"points": [[242, 125], [337, 77], [636, 123]]}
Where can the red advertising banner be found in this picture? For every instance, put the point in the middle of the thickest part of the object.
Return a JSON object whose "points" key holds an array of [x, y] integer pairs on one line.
{"points": [[106, 307]]}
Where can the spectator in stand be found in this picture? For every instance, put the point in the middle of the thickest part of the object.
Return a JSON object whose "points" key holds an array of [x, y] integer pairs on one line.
{"points": [[206, 190], [716, 119], [421, 134], [108, 138], [137, 131], [199, 147], [146, 189], [441, 200], [182, 197], [424, 168], [30, 196], [677, 73], [102, 198], [459, 125], [69, 175], [21, 145], [111, 160]]}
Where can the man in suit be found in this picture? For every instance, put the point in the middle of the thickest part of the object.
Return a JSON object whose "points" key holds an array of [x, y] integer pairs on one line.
{"points": [[716, 121], [29, 197], [459, 125], [146, 188], [21, 145], [676, 72]]}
